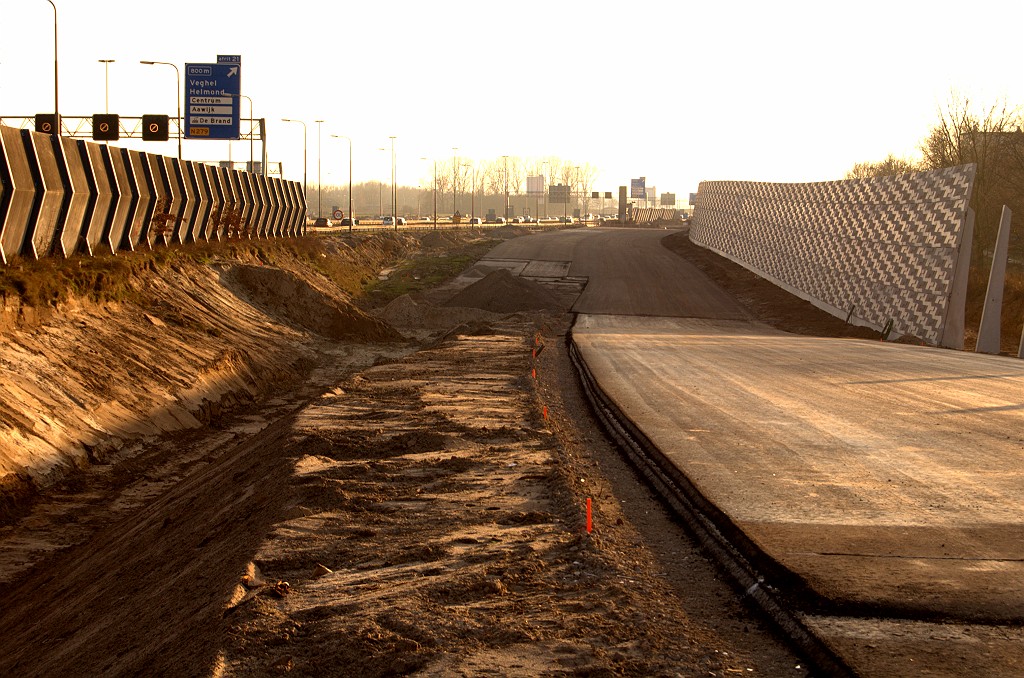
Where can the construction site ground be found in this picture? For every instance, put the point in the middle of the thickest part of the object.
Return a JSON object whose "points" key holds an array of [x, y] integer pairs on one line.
{"points": [[383, 484]]}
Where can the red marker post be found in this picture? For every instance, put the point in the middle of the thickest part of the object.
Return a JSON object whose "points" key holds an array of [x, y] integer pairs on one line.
{"points": [[590, 519]]}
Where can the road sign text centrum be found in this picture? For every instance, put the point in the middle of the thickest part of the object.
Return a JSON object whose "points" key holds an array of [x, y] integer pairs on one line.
{"points": [[211, 99]]}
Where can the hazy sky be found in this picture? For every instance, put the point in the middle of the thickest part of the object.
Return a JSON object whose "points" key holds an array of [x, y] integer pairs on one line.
{"points": [[676, 91]]}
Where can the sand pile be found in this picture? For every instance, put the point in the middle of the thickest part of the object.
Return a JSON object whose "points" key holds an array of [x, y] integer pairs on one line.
{"points": [[502, 292], [437, 239], [509, 231], [405, 312], [283, 294]]}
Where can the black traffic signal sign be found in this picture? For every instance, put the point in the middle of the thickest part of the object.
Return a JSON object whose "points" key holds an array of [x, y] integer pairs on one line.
{"points": [[46, 123], [106, 127], [155, 127]]}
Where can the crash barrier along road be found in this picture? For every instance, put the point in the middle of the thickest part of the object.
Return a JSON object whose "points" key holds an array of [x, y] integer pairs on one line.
{"points": [[64, 196]]}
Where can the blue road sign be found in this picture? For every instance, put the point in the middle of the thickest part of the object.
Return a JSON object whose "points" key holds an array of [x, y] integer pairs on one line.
{"points": [[212, 101]]}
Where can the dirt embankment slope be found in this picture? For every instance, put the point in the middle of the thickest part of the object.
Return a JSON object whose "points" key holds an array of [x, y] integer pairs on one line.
{"points": [[195, 332], [426, 514]]}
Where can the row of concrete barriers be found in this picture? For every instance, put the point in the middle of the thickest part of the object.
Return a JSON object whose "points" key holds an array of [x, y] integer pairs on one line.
{"points": [[61, 196], [649, 215]]}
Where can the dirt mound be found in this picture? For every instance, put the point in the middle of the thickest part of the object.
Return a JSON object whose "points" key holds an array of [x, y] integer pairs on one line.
{"points": [[509, 232], [405, 312], [436, 239], [502, 292], [283, 294]]}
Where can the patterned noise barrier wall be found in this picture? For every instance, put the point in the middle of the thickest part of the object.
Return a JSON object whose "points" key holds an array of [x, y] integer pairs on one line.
{"points": [[883, 252], [62, 196]]}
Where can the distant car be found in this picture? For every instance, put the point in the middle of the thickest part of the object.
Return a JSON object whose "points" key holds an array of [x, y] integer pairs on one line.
{"points": [[475, 221], [322, 222], [348, 221], [390, 221], [567, 220], [499, 220], [518, 220]]}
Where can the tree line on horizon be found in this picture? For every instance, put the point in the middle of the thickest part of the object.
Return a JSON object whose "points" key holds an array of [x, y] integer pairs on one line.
{"points": [[458, 183]]}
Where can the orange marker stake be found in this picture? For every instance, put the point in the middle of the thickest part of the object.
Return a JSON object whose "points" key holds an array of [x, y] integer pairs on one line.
{"points": [[590, 520], [545, 413], [535, 373]]}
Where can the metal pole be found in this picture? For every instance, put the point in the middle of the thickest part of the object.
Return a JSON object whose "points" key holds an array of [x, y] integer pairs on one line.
{"points": [[435, 192], [319, 192], [177, 79], [394, 190], [106, 91], [305, 161], [252, 133], [351, 217], [506, 185], [56, 88], [380, 196], [455, 182], [544, 188]]}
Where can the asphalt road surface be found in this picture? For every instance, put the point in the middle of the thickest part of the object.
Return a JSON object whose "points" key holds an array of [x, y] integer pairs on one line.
{"points": [[888, 478]]}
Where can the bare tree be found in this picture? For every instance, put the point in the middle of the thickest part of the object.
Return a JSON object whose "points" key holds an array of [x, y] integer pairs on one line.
{"points": [[994, 142], [585, 176], [889, 167]]}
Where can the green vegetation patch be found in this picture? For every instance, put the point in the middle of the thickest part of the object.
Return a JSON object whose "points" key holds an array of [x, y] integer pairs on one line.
{"points": [[426, 270]]}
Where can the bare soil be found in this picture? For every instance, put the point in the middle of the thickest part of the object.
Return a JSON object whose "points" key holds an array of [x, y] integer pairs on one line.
{"points": [[406, 498]]}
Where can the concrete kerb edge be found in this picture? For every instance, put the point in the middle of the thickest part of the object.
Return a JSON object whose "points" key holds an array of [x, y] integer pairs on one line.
{"points": [[723, 540]]}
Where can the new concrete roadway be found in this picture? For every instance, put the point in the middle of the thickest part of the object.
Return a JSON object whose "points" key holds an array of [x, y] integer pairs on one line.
{"points": [[887, 480]]}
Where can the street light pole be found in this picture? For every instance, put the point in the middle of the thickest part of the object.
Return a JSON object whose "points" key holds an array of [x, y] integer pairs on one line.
{"points": [[305, 162], [351, 217], [455, 182], [472, 190], [252, 166], [319, 187], [177, 76], [506, 185], [56, 88], [544, 187], [435, 192], [394, 189], [380, 196], [106, 90]]}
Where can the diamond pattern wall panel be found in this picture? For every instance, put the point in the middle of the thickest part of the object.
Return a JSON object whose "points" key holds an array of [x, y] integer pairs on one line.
{"points": [[885, 247]]}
